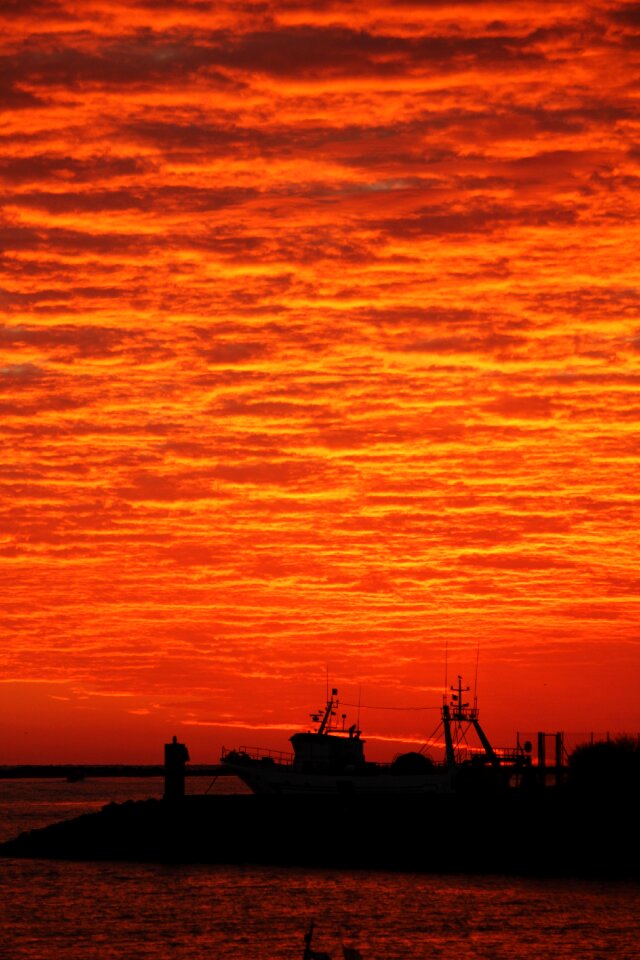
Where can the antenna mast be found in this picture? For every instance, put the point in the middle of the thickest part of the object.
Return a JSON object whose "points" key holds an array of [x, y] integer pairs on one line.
{"points": [[475, 680], [446, 664]]}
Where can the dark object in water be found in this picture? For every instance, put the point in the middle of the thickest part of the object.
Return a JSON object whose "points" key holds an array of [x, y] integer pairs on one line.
{"points": [[348, 953]]}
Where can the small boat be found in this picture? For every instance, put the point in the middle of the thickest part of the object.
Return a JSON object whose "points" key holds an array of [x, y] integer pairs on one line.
{"points": [[330, 759]]}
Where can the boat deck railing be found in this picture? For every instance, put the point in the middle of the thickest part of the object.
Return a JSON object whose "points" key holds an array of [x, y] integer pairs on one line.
{"points": [[509, 754], [259, 753], [506, 755]]}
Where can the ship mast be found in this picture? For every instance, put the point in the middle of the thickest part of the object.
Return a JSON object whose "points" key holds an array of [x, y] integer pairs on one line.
{"points": [[325, 723], [458, 712]]}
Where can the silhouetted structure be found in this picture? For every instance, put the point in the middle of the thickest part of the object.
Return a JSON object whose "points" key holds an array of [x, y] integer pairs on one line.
{"points": [[176, 756], [587, 827], [331, 760], [543, 767], [548, 833]]}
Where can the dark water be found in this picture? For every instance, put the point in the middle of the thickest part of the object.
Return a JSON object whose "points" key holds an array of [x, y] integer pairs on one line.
{"points": [[82, 911]]}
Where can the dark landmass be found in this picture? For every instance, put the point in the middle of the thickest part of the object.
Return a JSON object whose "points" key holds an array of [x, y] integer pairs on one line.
{"points": [[552, 833], [75, 771], [585, 826]]}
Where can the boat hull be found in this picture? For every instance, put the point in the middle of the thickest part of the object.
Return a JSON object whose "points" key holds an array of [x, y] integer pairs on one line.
{"points": [[284, 779]]}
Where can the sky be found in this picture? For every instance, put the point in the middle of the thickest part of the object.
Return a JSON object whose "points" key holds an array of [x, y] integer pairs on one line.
{"points": [[319, 357]]}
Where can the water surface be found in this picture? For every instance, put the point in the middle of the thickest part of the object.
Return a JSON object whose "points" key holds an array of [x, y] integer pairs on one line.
{"points": [[55, 910]]}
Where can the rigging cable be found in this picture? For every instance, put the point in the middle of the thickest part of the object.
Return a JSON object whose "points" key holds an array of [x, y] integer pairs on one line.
{"points": [[368, 706], [475, 681]]}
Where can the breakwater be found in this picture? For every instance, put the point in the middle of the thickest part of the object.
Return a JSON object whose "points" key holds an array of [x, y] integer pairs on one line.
{"points": [[550, 834]]}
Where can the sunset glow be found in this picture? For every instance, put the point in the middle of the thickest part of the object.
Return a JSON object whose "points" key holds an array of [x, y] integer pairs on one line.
{"points": [[320, 350]]}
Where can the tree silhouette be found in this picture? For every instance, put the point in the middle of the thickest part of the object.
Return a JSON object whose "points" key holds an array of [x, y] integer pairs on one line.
{"points": [[606, 765]]}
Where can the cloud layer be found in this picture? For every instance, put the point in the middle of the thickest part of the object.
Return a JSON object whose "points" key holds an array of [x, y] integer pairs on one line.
{"points": [[320, 345]]}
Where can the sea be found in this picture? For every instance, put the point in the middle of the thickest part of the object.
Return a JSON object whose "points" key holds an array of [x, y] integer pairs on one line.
{"points": [[64, 910]]}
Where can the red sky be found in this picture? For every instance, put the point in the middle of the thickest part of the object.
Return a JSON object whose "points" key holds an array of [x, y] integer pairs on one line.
{"points": [[319, 348]]}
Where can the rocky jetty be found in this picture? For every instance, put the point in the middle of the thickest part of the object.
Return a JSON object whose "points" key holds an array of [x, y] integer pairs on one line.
{"points": [[552, 834]]}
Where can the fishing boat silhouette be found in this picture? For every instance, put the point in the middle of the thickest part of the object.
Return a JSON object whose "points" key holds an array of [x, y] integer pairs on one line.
{"points": [[330, 759]]}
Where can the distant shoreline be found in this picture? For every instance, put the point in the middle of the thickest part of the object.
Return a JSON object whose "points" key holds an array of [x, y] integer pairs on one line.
{"points": [[92, 770]]}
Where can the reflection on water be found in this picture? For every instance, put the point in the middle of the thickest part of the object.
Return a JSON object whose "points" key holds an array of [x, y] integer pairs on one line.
{"points": [[52, 910], [85, 911]]}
